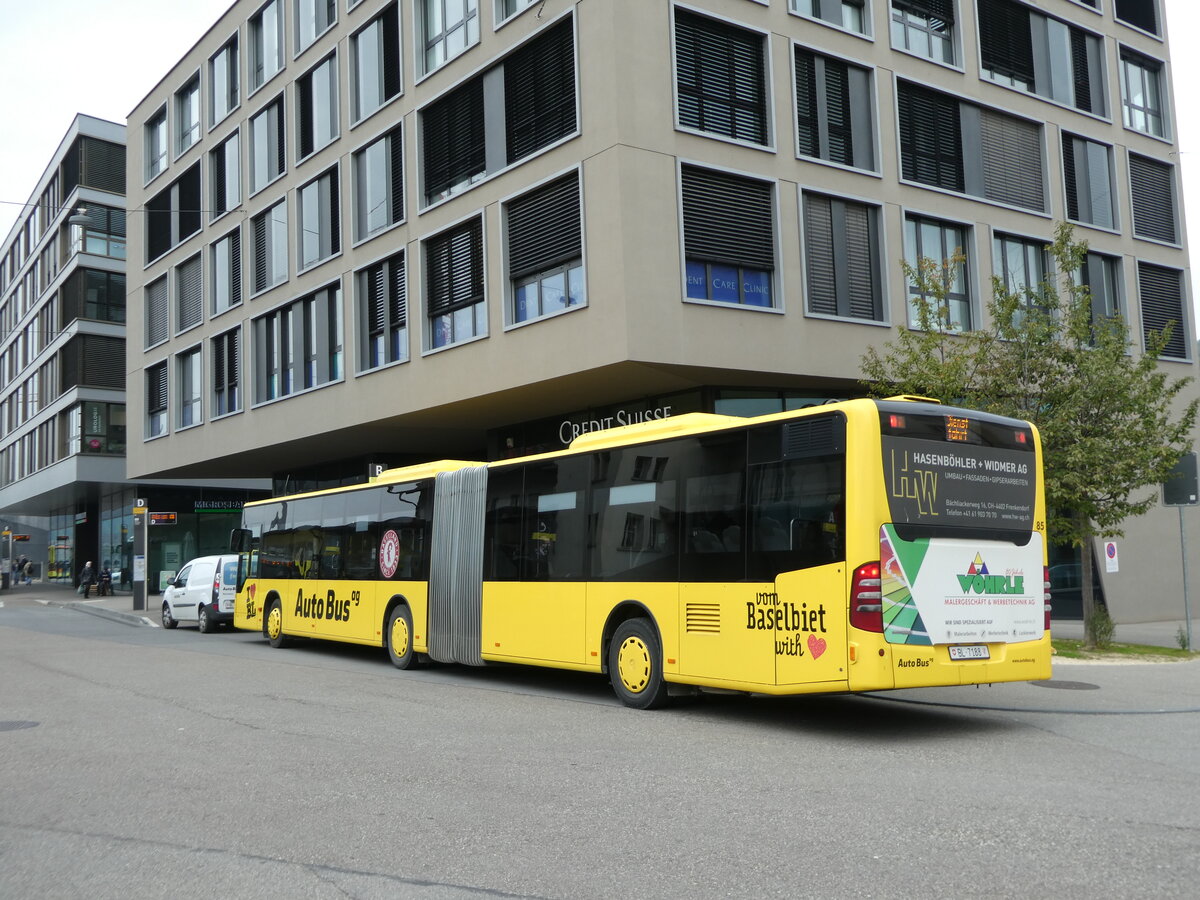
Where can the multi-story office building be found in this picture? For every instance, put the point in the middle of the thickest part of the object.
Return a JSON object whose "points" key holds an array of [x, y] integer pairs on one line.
{"points": [[62, 376], [387, 230]]}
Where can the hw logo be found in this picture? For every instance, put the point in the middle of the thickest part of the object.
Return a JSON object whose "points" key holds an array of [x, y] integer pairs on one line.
{"points": [[979, 581], [911, 483]]}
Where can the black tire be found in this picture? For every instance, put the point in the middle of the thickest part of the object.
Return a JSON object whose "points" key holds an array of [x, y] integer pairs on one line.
{"points": [[168, 620], [273, 624], [399, 638], [204, 622], [635, 665]]}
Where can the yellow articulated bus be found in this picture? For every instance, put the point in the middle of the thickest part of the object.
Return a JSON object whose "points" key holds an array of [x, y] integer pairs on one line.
{"points": [[857, 546]]}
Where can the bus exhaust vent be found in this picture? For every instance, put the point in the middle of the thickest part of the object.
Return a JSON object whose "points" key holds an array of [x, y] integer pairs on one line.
{"points": [[456, 569], [820, 436], [703, 618]]}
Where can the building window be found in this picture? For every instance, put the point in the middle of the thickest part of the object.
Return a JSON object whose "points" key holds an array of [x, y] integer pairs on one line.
{"points": [[158, 312], [506, 9], [225, 180], [1141, 14], [454, 297], [268, 157], [270, 232], [173, 214], [545, 250], [539, 110], [382, 294], [375, 63], [223, 81], [448, 27], [1161, 293], [1152, 186], [1035, 53], [298, 346], [841, 249], [379, 185], [156, 144], [189, 293], [1101, 275], [86, 294], [320, 226], [156, 400], [1020, 264], [1005, 161], [848, 14], [924, 27], [945, 243], [313, 18], [266, 44], [728, 237], [226, 272], [104, 235], [188, 381], [187, 115], [317, 107], [226, 372], [720, 78], [1141, 93], [1087, 174], [833, 110]]}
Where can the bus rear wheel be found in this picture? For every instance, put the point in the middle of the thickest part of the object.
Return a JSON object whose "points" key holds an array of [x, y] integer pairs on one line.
{"points": [[399, 638], [273, 624], [635, 665]]}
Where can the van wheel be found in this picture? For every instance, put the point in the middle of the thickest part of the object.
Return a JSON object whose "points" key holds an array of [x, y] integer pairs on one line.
{"points": [[273, 624], [399, 638], [203, 622], [635, 665], [168, 620]]}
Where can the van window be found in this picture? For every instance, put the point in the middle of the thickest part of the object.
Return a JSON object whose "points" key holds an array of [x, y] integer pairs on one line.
{"points": [[202, 573]]}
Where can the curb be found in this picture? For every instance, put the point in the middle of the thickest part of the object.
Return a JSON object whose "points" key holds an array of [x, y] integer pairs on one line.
{"points": [[113, 614]]}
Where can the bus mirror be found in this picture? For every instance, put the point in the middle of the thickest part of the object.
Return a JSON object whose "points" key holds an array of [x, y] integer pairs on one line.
{"points": [[241, 572], [239, 540]]}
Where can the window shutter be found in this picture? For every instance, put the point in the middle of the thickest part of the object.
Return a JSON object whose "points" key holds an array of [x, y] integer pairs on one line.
{"points": [[818, 251], [1151, 184], [1012, 160], [304, 112], [280, 138], [218, 190], [191, 294], [398, 298], [218, 357], [860, 263], [807, 122], [937, 10], [1070, 176], [189, 203], [235, 268], [539, 92], [335, 213], [233, 365], [930, 137], [389, 35], [720, 78], [156, 389], [1161, 291], [544, 228], [837, 112], [1138, 13], [728, 219], [454, 261], [260, 252], [157, 312], [1005, 39], [102, 361], [1081, 71], [396, 174], [376, 299], [453, 138], [103, 165]]}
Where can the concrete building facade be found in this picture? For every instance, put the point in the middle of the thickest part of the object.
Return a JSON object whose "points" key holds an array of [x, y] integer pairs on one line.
{"points": [[377, 232]]}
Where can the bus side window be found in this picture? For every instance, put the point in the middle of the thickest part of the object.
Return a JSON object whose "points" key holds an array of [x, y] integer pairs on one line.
{"points": [[797, 515]]}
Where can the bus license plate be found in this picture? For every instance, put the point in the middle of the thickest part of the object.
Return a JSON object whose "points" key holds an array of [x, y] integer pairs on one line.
{"points": [[970, 651]]}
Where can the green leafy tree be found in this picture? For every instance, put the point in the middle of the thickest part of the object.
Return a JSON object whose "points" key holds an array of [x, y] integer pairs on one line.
{"points": [[1112, 422]]}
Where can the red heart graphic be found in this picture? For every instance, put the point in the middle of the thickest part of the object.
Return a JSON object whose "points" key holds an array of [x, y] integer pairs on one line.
{"points": [[816, 646], [250, 590]]}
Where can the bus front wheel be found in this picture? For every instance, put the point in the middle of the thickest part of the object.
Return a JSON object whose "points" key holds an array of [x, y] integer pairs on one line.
{"points": [[273, 624], [399, 638], [635, 665]]}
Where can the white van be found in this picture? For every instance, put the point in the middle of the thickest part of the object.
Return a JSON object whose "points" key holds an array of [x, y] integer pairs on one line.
{"points": [[203, 592]]}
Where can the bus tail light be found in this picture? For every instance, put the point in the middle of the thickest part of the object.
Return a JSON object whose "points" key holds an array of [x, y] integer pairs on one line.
{"points": [[1046, 593], [866, 598]]}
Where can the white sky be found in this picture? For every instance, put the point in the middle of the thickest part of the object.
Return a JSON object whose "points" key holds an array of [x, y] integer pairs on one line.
{"points": [[60, 57]]}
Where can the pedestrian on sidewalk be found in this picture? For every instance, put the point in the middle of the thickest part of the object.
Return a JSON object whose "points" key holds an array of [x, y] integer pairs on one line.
{"points": [[87, 578], [27, 571]]}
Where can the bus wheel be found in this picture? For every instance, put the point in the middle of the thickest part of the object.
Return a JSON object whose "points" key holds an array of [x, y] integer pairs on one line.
{"points": [[168, 620], [635, 665], [273, 624], [399, 638]]}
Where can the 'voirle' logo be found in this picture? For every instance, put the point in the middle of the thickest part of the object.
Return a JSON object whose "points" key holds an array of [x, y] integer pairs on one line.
{"points": [[979, 580]]}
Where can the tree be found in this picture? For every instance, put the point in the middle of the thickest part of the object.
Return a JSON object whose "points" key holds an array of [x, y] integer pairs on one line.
{"points": [[1112, 422]]}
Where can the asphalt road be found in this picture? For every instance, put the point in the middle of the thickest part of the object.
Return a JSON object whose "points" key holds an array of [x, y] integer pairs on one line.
{"points": [[138, 762]]}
